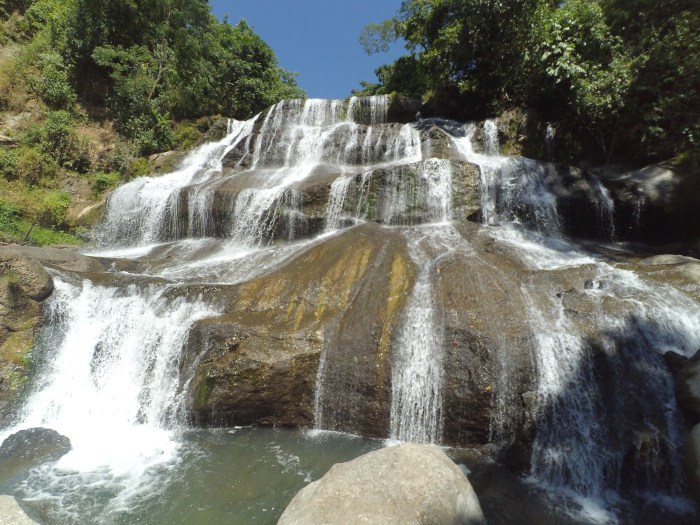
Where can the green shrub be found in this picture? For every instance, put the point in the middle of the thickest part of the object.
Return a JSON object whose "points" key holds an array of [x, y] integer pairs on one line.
{"points": [[57, 140], [8, 164], [139, 167], [7, 7], [32, 166], [35, 18], [54, 210], [9, 216], [150, 133], [45, 237], [186, 136], [101, 182], [55, 89]]}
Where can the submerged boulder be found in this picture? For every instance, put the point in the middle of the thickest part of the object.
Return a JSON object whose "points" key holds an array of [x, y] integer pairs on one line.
{"points": [[406, 484], [31, 447]]}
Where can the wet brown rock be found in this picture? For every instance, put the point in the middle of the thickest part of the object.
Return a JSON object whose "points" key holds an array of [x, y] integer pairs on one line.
{"points": [[29, 448], [166, 161], [656, 204], [341, 298], [58, 258], [403, 109], [247, 376], [25, 276], [692, 461], [23, 285]]}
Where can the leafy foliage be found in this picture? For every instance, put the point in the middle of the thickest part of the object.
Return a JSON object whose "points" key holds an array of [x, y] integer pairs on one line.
{"points": [[108, 82], [621, 75]]}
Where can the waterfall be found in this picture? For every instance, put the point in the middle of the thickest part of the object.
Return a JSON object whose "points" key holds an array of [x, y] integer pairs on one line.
{"points": [[574, 450], [336, 200], [417, 369], [110, 381], [279, 150], [138, 212], [491, 145], [570, 344]]}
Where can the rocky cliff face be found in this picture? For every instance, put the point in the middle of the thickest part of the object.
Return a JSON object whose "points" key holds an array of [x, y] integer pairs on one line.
{"points": [[24, 284]]}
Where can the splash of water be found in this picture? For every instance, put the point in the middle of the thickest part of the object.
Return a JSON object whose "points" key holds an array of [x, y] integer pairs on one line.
{"points": [[111, 383]]}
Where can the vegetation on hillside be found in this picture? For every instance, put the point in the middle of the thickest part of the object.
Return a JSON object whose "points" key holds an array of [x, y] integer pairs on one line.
{"points": [[621, 77], [89, 88]]}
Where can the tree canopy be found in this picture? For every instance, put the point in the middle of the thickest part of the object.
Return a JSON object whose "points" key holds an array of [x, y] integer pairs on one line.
{"points": [[148, 62], [622, 75]]}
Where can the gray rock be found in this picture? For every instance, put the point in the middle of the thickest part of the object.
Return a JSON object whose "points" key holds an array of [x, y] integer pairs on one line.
{"points": [[669, 259], [11, 513], [24, 283], [406, 484], [689, 271], [657, 204], [166, 161], [58, 258], [692, 461], [688, 387], [30, 447], [27, 274]]}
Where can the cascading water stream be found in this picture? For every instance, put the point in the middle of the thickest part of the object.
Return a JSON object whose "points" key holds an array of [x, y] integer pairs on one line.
{"points": [[110, 381], [417, 368], [573, 448], [145, 210]]}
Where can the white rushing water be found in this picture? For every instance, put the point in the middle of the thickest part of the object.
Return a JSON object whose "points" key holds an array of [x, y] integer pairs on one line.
{"points": [[284, 147], [145, 210], [417, 367], [574, 451], [110, 382]]}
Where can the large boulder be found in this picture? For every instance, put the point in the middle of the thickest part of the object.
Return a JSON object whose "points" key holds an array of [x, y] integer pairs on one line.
{"points": [[314, 342], [402, 485], [692, 461], [26, 275], [688, 387], [23, 285], [249, 376], [30, 447], [12, 514]]}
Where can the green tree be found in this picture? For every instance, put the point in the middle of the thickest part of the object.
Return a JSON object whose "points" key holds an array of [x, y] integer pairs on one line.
{"points": [[580, 71], [478, 46]]}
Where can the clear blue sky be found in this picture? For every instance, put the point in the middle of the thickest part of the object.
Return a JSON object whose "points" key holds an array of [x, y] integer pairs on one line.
{"points": [[317, 38]]}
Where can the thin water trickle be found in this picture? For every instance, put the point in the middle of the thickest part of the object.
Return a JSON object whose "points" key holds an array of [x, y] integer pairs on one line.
{"points": [[417, 368]]}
